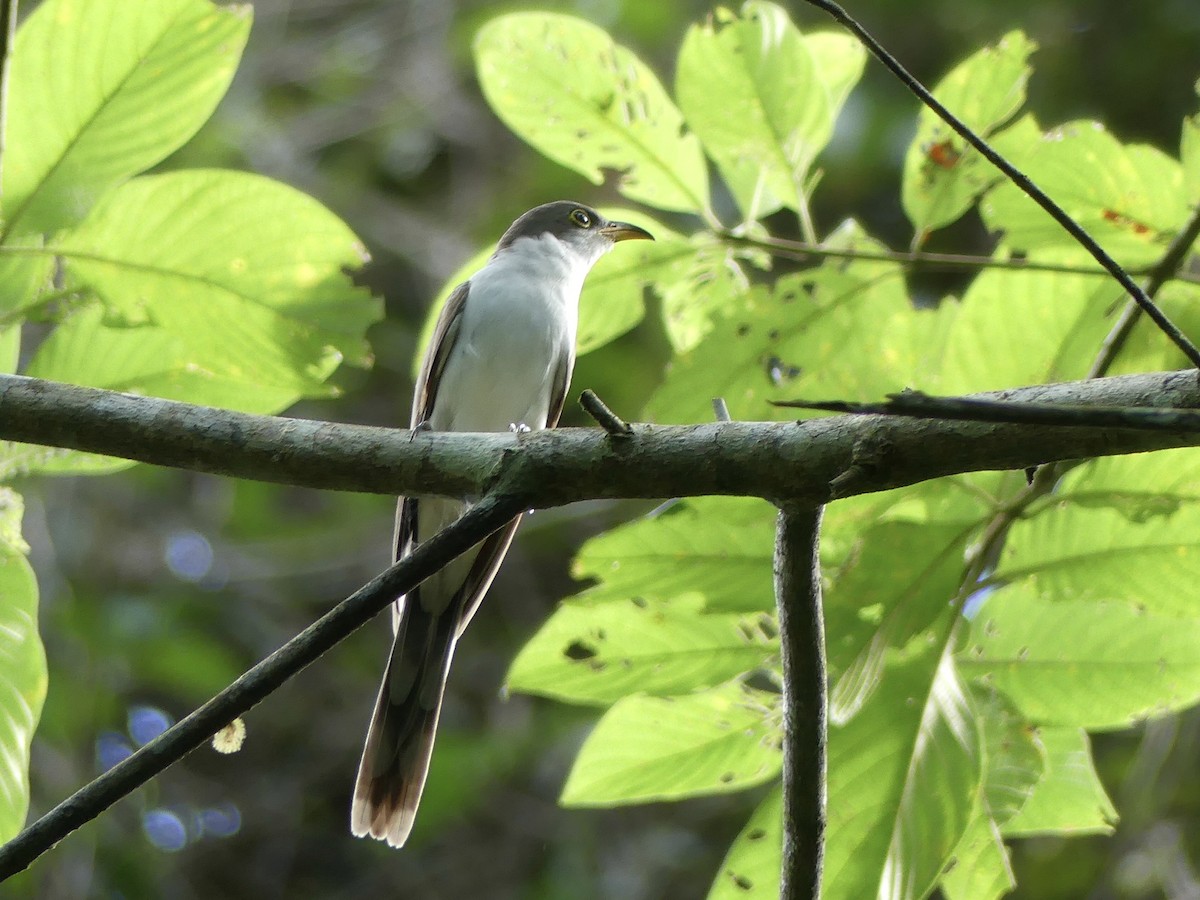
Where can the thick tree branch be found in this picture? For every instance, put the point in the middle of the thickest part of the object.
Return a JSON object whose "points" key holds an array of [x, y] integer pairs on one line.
{"points": [[809, 462], [255, 685], [802, 641]]}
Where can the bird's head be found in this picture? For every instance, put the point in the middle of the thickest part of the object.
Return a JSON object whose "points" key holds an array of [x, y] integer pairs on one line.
{"points": [[580, 230]]}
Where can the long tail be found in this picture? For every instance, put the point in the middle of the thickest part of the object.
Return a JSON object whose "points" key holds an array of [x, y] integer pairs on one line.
{"points": [[395, 760]]}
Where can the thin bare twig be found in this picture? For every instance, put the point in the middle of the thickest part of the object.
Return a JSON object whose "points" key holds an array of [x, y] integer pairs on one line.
{"points": [[607, 419], [1019, 178]]}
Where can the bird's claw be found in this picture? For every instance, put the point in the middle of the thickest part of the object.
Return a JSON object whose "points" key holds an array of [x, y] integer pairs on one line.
{"points": [[519, 429]]}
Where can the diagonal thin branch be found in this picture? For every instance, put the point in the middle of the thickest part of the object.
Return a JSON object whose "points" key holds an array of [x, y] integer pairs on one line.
{"points": [[129, 774], [1019, 178]]}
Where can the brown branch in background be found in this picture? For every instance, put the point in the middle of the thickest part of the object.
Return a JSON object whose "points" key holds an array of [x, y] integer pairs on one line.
{"points": [[1017, 177], [179, 740], [802, 642], [921, 259]]}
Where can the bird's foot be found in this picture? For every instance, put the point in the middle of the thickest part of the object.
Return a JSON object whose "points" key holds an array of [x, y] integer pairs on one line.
{"points": [[520, 429], [420, 428]]}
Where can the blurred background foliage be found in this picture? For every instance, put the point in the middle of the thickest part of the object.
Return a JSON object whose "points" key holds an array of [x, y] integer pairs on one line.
{"points": [[159, 587]]}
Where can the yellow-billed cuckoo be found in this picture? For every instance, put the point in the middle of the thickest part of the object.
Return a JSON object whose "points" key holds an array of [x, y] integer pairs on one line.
{"points": [[500, 359]]}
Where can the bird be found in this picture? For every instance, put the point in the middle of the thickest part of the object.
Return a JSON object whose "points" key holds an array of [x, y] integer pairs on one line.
{"points": [[500, 359]]}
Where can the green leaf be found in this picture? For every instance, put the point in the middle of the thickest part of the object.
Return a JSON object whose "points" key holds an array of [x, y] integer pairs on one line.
{"points": [[650, 748], [807, 337], [1014, 758], [1092, 665], [748, 88], [838, 60], [26, 271], [102, 91], [1189, 155], [718, 547], [239, 278], [1131, 199], [1069, 798], [751, 868], [898, 581], [942, 174], [22, 665], [698, 288], [1016, 328], [599, 654], [903, 775], [981, 866], [1114, 533], [591, 105]]}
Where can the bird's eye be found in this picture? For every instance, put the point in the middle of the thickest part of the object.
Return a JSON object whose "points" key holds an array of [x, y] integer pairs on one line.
{"points": [[581, 218]]}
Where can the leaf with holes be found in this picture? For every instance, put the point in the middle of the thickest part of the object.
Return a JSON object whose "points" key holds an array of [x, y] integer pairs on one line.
{"points": [[599, 654], [1130, 198], [942, 173], [566, 88], [749, 89], [651, 748], [719, 548], [751, 867]]}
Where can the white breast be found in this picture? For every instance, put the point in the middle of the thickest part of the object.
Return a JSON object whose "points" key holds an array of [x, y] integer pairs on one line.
{"points": [[518, 326]]}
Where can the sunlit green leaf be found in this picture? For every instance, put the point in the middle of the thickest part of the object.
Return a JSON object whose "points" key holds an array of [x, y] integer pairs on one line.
{"points": [[650, 748], [807, 337], [235, 278], [898, 580], [903, 776], [598, 654], [750, 91], [942, 174], [1092, 665], [1130, 198], [1121, 530], [568, 90], [99, 92], [981, 868], [751, 868], [717, 547], [1013, 328], [1069, 798], [22, 666]]}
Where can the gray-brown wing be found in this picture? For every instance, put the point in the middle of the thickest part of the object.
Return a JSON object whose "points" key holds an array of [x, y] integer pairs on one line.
{"points": [[445, 333], [562, 382]]}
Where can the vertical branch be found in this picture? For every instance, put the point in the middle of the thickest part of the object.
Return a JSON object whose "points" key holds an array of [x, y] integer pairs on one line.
{"points": [[8, 30], [802, 638]]}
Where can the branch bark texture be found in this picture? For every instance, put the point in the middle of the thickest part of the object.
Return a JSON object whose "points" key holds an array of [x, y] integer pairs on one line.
{"points": [[802, 640], [809, 462]]}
